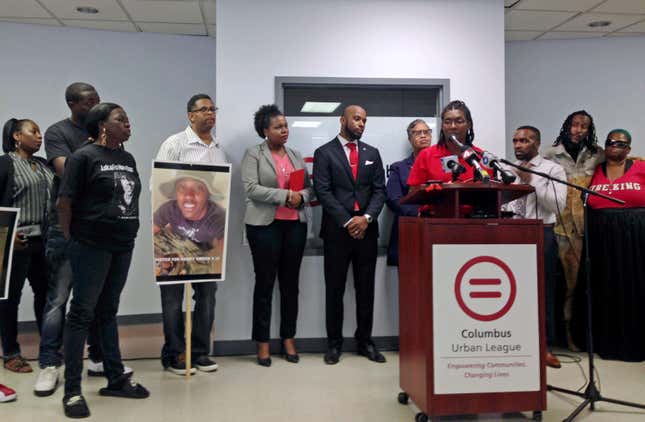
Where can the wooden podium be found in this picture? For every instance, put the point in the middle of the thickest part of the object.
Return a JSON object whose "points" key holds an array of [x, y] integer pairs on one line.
{"points": [[419, 240]]}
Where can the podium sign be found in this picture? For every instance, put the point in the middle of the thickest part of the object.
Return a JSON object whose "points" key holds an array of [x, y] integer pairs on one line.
{"points": [[486, 325]]}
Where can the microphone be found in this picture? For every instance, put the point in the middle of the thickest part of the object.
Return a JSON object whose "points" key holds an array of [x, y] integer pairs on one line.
{"points": [[450, 164], [470, 156], [492, 161]]}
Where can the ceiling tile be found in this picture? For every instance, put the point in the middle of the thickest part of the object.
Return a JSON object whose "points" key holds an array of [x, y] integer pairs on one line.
{"points": [[560, 5], [173, 28], [521, 35], [33, 21], [621, 6], [639, 27], [119, 26], [164, 11], [22, 9], [534, 21], [211, 30], [562, 35], [66, 9], [626, 34], [209, 10], [580, 23], [508, 3]]}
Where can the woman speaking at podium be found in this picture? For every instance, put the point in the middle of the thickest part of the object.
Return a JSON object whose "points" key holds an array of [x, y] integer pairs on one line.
{"points": [[455, 121], [616, 249]]}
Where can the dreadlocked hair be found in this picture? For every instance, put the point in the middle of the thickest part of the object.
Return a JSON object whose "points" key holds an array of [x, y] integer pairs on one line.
{"points": [[590, 141]]}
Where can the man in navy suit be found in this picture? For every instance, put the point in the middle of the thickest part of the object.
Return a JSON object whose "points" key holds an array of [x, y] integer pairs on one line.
{"points": [[349, 181], [419, 135]]}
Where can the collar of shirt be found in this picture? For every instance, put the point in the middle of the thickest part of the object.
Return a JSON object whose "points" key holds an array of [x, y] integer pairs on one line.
{"points": [[344, 141], [535, 161], [193, 138]]}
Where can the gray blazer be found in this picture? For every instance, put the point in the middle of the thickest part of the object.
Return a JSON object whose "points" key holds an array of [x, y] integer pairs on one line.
{"points": [[260, 181]]}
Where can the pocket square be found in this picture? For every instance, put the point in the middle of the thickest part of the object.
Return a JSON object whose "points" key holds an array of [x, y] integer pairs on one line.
{"points": [[368, 162]]}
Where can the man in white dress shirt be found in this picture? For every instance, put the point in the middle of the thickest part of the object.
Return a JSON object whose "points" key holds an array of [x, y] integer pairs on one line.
{"points": [[196, 144], [545, 203]]}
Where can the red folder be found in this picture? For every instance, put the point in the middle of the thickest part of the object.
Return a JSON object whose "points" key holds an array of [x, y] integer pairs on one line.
{"points": [[297, 180]]}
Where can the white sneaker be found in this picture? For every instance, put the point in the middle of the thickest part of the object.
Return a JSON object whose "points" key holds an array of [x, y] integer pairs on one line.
{"points": [[46, 382], [95, 369]]}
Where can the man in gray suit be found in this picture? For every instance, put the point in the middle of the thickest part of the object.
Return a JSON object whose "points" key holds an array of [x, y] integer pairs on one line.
{"points": [[349, 181]]}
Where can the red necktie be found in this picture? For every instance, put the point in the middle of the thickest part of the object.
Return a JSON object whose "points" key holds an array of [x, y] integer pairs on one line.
{"points": [[353, 163]]}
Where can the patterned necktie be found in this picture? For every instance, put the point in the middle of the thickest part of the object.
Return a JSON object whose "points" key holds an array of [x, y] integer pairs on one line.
{"points": [[520, 208], [353, 158], [353, 163]]}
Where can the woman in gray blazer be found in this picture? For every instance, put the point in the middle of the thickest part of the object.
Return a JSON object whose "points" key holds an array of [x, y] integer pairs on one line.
{"points": [[276, 226]]}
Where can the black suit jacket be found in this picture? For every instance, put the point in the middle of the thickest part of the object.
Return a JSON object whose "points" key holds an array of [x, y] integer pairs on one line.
{"points": [[336, 188]]}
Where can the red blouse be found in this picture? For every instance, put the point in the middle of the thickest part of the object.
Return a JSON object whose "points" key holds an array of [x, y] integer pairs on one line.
{"points": [[630, 187], [427, 166]]}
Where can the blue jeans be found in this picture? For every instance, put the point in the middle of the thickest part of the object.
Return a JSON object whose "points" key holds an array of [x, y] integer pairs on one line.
{"points": [[172, 298], [99, 277], [58, 291]]}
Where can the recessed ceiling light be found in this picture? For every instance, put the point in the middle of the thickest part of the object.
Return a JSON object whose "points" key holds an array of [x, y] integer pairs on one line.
{"points": [[599, 24], [319, 107], [87, 9]]}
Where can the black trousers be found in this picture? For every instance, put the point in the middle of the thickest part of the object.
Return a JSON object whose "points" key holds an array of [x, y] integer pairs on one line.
{"points": [[30, 264], [340, 249], [277, 249], [551, 257]]}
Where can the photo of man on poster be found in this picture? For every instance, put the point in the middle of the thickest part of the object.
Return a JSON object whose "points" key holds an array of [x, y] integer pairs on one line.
{"points": [[189, 226]]}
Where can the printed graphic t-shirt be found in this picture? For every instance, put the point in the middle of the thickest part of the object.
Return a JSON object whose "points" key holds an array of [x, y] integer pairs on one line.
{"points": [[104, 187], [630, 187]]}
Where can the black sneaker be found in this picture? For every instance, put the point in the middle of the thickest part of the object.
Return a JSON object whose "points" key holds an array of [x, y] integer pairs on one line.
{"points": [[205, 364], [75, 407], [126, 388], [178, 365]]}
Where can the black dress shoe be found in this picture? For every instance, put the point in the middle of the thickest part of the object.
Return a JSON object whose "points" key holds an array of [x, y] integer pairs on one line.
{"points": [[292, 358], [370, 352], [332, 356], [289, 358], [264, 361]]}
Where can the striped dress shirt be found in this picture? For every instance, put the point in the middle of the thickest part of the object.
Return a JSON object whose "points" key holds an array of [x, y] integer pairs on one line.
{"points": [[187, 147], [32, 187]]}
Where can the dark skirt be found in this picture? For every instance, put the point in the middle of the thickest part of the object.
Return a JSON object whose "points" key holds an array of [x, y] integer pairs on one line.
{"points": [[617, 263]]}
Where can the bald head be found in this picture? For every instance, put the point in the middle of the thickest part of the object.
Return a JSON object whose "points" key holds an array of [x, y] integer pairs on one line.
{"points": [[352, 122]]}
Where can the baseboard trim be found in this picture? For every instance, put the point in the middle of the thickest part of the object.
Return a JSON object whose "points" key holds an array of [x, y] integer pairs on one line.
{"points": [[30, 326], [247, 347], [303, 345]]}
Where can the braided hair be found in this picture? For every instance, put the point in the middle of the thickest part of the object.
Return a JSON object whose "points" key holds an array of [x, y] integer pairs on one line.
{"points": [[590, 141], [458, 105]]}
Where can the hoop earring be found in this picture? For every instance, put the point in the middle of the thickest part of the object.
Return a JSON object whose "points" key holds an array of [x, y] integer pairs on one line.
{"points": [[103, 138]]}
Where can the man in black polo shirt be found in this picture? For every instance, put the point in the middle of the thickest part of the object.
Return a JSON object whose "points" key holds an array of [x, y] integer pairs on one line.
{"points": [[61, 140]]}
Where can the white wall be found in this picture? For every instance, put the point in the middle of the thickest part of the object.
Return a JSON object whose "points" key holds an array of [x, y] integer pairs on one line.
{"points": [[462, 40], [547, 80], [150, 75]]}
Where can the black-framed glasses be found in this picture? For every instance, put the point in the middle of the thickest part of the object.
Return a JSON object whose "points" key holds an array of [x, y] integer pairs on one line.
{"points": [[617, 144], [205, 110], [426, 132]]}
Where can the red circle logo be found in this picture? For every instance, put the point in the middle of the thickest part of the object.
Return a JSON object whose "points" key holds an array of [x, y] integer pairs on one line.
{"points": [[492, 288]]}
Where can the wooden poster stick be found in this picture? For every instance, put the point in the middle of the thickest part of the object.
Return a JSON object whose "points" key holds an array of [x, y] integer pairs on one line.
{"points": [[189, 330]]}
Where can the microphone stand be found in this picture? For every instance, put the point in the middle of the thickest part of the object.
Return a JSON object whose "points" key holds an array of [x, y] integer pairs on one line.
{"points": [[591, 395]]}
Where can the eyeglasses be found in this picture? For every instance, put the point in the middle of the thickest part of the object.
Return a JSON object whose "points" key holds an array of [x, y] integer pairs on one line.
{"points": [[617, 144], [205, 110], [426, 132]]}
